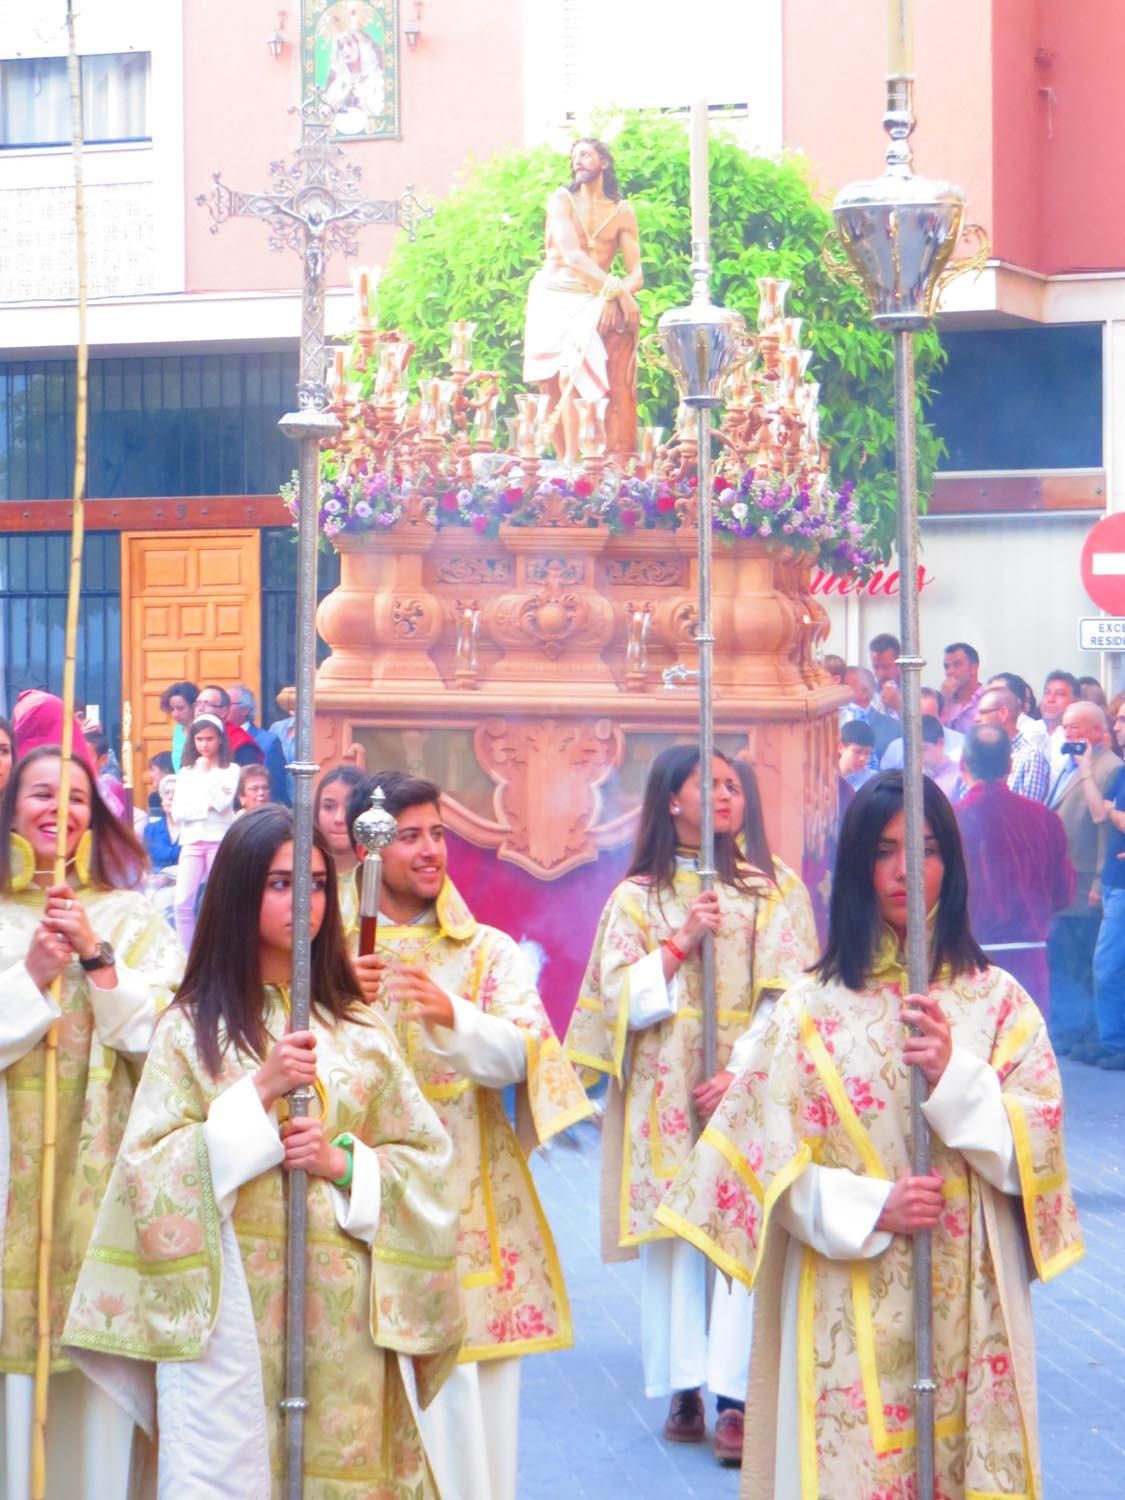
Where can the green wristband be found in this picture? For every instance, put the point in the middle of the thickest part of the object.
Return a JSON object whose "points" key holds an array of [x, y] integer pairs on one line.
{"points": [[345, 1143]]}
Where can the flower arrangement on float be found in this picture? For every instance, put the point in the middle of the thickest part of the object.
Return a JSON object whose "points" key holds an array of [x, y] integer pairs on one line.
{"points": [[436, 462], [826, 525]]}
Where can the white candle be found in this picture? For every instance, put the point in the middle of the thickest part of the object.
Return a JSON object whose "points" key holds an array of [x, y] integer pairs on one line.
{"points": [[700, 191], [900, 22]]}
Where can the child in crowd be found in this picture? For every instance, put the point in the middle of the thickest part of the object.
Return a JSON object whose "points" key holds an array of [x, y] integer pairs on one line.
{"points": [[203, 806]]}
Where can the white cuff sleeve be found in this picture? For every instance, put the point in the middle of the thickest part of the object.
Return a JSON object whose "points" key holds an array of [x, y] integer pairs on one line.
{"points": [[358, 1207], [26, 1014], [652, 998], [745, 1044], [966, 1109], [125, 1015], [835, 1211], [488, 1049], [242, 1141]]}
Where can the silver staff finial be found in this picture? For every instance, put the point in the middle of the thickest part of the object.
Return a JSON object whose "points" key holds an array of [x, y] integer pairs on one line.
{"points": [[375, 828]]}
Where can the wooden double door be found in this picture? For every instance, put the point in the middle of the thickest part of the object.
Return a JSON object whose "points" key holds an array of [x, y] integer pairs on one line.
{"points": [[190, 612]]}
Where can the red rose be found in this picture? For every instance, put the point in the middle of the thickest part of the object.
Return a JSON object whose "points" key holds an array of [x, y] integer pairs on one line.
{"points": [[583, 488], [720, 485], [630, 517], [513, 497], [448, 501], [479, 524], [665, 503]]}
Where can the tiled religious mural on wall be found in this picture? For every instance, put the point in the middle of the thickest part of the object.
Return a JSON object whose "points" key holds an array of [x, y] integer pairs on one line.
{"points": [[351, 53]]}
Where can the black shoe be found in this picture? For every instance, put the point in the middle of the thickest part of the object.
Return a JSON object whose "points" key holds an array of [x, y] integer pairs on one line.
{"points": [[686, 1422]]}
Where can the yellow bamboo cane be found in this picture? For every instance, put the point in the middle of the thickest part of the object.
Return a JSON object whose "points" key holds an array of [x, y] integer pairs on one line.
{"points": [[50, 1061]]}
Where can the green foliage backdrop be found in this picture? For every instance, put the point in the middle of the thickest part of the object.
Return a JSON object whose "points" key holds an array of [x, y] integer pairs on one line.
{"points": [[475, 257]]}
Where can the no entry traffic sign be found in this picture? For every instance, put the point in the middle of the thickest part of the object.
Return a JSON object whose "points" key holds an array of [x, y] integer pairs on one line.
{"points": [[1103, 564]]}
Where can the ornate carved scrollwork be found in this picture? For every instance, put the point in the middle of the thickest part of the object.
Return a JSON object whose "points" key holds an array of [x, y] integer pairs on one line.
{"points": [[548, 834], [483, 570], [644, 572]]}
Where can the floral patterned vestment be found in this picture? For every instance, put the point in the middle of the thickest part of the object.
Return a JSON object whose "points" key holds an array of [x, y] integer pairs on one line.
{"points": [[649, 1119], [150, 1286], [515, 1297], [826, 1088]]}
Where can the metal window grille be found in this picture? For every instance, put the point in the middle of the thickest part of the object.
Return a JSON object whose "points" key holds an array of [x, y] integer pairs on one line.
{"points": [[193, 424], [279, 610], [33, 586]]}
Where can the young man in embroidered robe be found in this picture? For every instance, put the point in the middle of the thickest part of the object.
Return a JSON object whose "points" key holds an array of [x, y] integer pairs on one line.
{"points": [[463, 1004], [801, 1186], [638, 1019]]}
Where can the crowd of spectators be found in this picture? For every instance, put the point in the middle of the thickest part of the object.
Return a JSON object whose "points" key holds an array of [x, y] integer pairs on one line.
{"points": [[1039, 793]]}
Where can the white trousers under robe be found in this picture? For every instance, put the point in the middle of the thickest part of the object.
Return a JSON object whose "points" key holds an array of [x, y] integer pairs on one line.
{"points": [[89, 1439], [471, 1431], [678, 1352]]}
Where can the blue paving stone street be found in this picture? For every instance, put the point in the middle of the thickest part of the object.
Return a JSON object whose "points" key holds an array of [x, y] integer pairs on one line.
{"points": [[588, 1431]]}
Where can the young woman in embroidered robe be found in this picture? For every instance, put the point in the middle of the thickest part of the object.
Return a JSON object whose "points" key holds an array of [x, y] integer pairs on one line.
{"points": [[118, 962], [179, 1309], [802, 1187], [638, 1018]]}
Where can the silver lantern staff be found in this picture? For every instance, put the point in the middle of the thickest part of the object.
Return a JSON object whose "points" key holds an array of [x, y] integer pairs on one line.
{"points": [[314, 207], [373, 830], [700, 342], [899, 232]]}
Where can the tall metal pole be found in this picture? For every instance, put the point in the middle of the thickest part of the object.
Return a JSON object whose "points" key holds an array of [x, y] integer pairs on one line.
{"points": [[706, 639], [700, 342], [313, 208], [899, 232], [917, 945]]}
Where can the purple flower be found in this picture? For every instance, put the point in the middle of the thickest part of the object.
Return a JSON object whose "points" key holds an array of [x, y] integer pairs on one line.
{"points": [[363, 509]]}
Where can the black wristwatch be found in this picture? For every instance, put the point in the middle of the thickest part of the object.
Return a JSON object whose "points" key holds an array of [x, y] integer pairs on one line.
{"points": [[103, 958]]}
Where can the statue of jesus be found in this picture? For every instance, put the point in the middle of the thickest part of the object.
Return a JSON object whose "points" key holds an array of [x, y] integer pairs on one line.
{"points": [[580, 338]]}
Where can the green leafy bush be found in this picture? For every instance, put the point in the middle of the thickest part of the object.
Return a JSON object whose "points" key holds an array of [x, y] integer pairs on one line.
{"points": [[475, 257]]}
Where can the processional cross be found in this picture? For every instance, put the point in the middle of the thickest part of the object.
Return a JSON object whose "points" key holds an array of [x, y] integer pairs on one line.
{"points": [[313, 208]]}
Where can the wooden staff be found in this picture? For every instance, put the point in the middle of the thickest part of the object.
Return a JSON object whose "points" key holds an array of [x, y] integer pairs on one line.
{"points": [[374, 830], [51, 1057]]}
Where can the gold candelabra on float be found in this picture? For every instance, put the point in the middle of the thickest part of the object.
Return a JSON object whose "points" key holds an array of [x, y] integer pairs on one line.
{"points": [[770, 422]]}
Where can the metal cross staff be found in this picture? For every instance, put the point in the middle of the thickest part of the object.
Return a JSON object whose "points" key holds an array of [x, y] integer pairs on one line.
{"points": [[314, 208]]}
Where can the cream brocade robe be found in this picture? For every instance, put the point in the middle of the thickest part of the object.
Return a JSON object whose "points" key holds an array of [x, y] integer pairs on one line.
{"points": [[151, 1284], [99, 1032], [826, 1088], [648, 1125], [515, 1296]]}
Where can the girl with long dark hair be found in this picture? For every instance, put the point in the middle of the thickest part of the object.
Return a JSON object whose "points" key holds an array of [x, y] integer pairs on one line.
{"points": [[330, 814], [187, 1266], [803, 1186], [638, 1019], [747, 815], [203, 806], [117, 963]]}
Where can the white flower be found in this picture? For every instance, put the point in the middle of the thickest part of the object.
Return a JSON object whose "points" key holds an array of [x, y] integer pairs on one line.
{"points": [[740, 510]]}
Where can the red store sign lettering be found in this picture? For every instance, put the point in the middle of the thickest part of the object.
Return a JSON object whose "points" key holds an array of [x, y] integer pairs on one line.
{"points": [[882, 584]]}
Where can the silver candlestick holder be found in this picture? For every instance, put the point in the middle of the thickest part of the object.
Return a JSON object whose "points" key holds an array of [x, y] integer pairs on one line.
{"points": [[700, 343]]}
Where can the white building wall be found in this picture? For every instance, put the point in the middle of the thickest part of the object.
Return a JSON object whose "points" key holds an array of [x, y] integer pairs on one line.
{"points": [[134, 192], [1009, 585]]}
